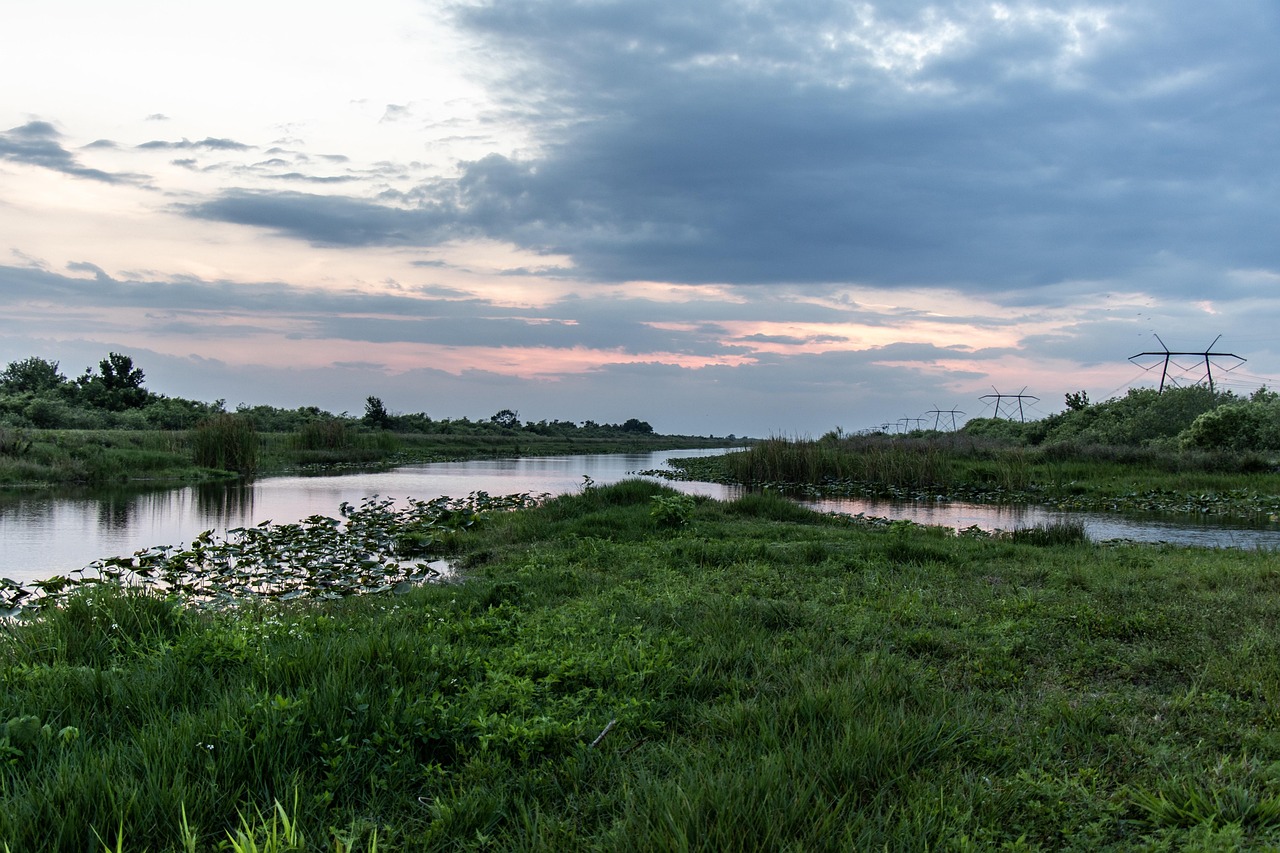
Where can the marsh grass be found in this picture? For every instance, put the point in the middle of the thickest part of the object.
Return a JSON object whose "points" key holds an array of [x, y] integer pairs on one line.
{"points": [[1085, 477], [907, 463], [98, 457], [226, 442], [774, 680]]}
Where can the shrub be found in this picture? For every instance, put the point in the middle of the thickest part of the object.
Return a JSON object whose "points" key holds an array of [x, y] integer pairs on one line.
{"points": [[672, 510], [1236, 426]]}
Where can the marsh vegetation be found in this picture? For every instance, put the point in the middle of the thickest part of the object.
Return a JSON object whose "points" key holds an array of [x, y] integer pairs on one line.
{"points": [[107, 427], [717, 675], [1188, 450]]}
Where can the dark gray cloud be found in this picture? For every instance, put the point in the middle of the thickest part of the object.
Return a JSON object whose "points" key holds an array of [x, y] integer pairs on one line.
{"points": [[724, 146], [36, 143], [783, 143], [327, 220]]}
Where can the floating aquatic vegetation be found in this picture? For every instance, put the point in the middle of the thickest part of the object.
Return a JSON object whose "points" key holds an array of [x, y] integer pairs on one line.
{"points": [[377, 547]]}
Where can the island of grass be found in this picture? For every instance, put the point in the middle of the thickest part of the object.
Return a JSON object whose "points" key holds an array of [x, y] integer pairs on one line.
{"points": [[628, 668]]}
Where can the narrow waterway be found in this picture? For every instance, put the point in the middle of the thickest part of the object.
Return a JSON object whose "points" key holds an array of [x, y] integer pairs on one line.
{"points": [[44, 534]]}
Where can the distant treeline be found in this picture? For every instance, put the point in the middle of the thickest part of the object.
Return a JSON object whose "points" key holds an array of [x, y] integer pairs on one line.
{"points": [[35, 394], [1192, 418]]}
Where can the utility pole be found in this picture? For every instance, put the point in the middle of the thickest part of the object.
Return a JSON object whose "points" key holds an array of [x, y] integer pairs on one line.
{"points": [[1167, 356], [937, 417], [1019, 397]]}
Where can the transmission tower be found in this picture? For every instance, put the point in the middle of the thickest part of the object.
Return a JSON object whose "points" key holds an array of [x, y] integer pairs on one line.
{"points": [[904, 424], [1018, 398], [1167, 356], [937, 417]]}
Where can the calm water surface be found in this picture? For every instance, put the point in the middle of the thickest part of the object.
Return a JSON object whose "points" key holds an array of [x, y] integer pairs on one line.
{"points": [[1099, 526], [45, 534]]}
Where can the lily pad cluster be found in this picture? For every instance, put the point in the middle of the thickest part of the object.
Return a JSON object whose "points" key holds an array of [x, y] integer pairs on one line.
{"points": [[377, 547]]}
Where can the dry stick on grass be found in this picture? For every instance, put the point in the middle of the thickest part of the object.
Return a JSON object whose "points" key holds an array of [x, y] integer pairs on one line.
{"points": [[600, 736]]}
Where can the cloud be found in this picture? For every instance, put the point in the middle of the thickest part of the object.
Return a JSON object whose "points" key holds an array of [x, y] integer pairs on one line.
{"points": [[990, 148], [36, 143], [328, 220], [395, 112], [978, 145], [207, 144]]}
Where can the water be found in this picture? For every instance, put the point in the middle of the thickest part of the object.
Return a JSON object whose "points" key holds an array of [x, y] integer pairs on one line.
{"points": [[46, 534], [1098, 526]]}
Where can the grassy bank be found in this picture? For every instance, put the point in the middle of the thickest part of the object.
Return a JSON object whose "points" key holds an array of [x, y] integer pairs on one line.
{"points": [[99, 457], [625, 673], [962, 468]]}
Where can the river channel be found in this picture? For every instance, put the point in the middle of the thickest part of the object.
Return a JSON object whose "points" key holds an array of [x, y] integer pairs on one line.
{"points": [[44, 534]]}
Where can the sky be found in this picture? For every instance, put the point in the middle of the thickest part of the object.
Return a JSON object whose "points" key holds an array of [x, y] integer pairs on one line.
{"points": [[763, 217]]}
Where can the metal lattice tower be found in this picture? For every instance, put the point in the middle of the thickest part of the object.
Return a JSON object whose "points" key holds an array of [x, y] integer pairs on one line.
{"points": [[1018, 398], [937, 417], [1166, 355]]}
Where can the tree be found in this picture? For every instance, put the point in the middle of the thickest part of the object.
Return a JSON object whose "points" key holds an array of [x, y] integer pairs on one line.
{"points": [[636, 425], [1078, 400], [507, 419], [33, 375], [118, 385], [375, 414]]}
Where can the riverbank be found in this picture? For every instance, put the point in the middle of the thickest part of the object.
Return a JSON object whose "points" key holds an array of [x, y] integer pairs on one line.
{"points": [[44, 459], [1097, 479], [630, 669]]}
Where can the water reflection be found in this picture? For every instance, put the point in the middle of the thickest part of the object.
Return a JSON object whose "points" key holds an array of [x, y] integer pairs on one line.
{"points": [[222, 506], [42, 534], [1175, 530]]}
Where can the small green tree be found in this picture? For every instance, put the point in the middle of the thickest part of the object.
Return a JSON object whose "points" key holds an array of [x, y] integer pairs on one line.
{"points": [[375, 414], [507, 419], [32, 375], [117, 385]]}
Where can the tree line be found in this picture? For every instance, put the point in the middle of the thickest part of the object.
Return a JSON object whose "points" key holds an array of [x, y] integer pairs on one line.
{"points": [[34, 393]]}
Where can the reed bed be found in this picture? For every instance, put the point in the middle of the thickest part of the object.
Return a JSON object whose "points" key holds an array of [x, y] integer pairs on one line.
{"points": [[911, 464]]}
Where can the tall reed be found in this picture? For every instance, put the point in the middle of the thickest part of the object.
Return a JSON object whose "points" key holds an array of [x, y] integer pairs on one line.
{"points": [[228, 442], [911, 464]]}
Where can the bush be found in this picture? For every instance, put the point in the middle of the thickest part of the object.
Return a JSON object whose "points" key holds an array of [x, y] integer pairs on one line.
{"points": [[1236, 426]]}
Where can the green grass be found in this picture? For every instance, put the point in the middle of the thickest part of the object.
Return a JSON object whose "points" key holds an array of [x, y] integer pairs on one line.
{"points": [[758, 677]]}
